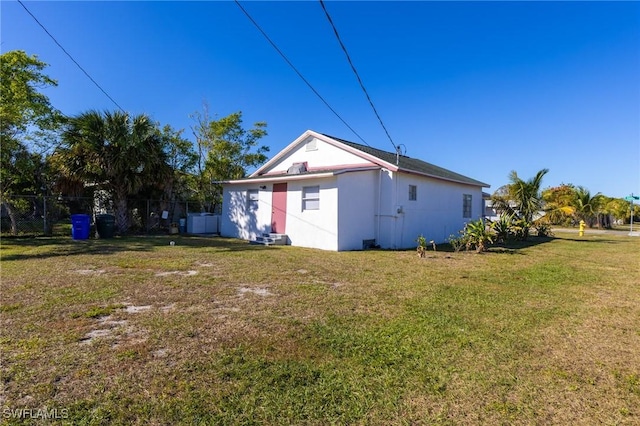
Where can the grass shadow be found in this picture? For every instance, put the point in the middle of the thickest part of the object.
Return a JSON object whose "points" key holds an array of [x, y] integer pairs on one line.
{"points": [[508, 247], [599, 240], [65, 246]]}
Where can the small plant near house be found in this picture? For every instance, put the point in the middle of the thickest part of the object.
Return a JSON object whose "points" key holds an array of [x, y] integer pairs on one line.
{"points": [[422, 246], [457, 243], [478, 235], [502, 227]]}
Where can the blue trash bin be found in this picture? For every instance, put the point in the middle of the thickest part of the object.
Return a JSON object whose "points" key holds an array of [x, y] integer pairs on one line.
{"points": [[80, 226]]}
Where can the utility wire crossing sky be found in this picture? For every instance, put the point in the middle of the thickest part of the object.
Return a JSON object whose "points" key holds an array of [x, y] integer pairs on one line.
{"points": [[481, 88]]}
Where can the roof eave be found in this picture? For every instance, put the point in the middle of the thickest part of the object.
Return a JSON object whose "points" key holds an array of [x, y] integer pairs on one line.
{"points": [[275, 178], [303, 176]]}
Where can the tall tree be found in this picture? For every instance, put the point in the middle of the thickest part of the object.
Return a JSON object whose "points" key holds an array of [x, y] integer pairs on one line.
{"points": [[115, 152], [618, 208], [27, 120], [26, 114], [522, 199], [182, 159], [559, 202], [21, 173], [227, 151], [177, 186]]}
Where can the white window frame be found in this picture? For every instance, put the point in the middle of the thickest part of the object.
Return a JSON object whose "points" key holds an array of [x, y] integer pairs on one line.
{"points": [[253, 199], [413, 192], [311, 197], [467, 203]]}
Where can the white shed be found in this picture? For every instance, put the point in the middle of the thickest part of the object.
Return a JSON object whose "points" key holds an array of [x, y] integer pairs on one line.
{"points": [[327, 193]]}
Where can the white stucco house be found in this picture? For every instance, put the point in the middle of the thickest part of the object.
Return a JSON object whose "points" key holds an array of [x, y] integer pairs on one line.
{"points": [[327, 193]]}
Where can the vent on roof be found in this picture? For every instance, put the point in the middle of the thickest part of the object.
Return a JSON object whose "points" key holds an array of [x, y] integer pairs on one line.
{"points": [[297, 168]]}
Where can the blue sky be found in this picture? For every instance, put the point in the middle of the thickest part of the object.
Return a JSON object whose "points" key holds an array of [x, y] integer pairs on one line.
{"points": [[481, 88]]}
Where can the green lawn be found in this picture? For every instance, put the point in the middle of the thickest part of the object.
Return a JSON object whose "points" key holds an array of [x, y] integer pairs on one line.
{"points": [[214, 331], [627, 227]]}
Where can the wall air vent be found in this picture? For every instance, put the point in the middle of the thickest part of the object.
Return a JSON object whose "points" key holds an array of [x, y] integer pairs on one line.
{"points": [[297, 168]]}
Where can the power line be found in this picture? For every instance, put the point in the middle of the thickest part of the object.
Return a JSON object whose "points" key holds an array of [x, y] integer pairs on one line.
{"points": [[298, 72], [344, 49], [70, 57]]}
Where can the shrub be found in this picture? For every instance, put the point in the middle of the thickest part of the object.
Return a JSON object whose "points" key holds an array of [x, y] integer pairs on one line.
{"points": [[478, 235], [502, 227], [521, 228], [543, 228], [422, 245], [457, 243]]}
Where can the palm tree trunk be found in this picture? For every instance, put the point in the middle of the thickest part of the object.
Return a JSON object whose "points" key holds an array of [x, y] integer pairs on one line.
{"points": [[122, 214]]}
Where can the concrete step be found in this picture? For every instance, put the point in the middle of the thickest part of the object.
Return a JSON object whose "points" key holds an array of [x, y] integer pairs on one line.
{"points": [[260, 243], [271, 239], [278, 239], [263, 240]]}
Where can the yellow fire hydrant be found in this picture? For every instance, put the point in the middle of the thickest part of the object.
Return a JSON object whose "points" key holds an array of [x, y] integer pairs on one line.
{"points": [[582, 228]]}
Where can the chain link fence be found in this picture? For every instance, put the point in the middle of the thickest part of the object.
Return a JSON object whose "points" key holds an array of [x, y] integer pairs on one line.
{"points": [[51, 216]]}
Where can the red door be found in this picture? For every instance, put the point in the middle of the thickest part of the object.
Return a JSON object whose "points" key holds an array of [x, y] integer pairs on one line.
{"points": [[279, 208]]}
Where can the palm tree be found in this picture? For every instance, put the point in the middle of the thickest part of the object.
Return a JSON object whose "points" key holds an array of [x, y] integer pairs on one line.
{"points": [[521, 199], [585, 206], [114, 151]]}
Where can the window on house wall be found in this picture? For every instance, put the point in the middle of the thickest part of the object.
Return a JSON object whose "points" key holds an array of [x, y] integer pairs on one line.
{"points": [[252, 199], [311, 198], [466, 205], [312, 145], [413, 192]]}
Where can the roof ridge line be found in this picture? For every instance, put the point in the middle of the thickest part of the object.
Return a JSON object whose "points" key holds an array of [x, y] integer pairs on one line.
{"points": [[365, 146]]}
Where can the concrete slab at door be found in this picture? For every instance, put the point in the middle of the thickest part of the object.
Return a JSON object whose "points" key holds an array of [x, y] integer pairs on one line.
{"points": [[279, 208]]}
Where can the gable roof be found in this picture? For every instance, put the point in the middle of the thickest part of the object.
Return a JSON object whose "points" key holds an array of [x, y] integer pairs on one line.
{"points": [[375, 158], [411, 165]]}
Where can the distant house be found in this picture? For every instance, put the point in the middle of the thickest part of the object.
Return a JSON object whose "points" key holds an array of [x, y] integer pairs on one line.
{"points": [[490, 212], [328, 193]]}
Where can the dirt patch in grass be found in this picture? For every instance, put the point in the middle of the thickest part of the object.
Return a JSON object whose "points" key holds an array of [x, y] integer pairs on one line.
{"points": [[90, 271], [130, 309], [115, 326], [181, 273], [258, 291]]}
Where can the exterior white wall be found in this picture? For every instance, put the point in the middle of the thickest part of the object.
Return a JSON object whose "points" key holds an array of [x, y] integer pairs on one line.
{"points": [[324, 156], [356, 206], [237, 220], [437, 212], [357, 203], [308, 228], [386, 225], [313, 228]]}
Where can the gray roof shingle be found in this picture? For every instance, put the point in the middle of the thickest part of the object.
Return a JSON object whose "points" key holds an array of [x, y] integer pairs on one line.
{"points": [[411, 164]]}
